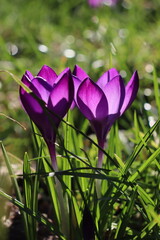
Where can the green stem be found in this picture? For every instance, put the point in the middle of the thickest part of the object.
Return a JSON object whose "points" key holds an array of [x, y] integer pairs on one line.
{"points": [[100, 154], [52, 151]]}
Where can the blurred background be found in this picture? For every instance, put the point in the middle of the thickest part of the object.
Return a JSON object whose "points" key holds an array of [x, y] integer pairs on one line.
{"points": [[61, 34], [64, 33]]}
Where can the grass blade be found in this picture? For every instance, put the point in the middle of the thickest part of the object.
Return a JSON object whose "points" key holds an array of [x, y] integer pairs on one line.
{"points": [[139, 147]]}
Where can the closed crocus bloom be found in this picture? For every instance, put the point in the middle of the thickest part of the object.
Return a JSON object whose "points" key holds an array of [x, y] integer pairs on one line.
{"points": [[104, 101], [56, 92], [97, 3]]}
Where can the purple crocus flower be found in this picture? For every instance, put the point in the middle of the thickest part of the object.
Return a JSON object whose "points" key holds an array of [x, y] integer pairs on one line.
{"points": [[97, 3], [56, 92], [104, 101]]}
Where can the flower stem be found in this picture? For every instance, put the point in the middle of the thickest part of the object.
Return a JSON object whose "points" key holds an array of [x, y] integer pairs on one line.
{"points": [[99, 165], [52, 151], [100, 154]]}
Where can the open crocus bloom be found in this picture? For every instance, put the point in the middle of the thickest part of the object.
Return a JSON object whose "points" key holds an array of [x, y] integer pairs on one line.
{"points": [[104, 101], [56, 93], [97, 3]]}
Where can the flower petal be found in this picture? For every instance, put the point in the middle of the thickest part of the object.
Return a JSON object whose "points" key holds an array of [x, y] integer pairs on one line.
{"points": [[29, 75], [76, 82], [66, 70], [36, 112], [30, 104], [80, 73], [92, 101], [95, 3], [106, 77], [48, 74], [43, 88], [131, 90], [62, 95], [115, 92]]}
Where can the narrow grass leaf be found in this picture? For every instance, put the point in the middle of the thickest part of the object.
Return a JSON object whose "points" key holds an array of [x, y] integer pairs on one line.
{"points": [[145, 231], [144, 165], [18, 81], [156, 90], [15, 184], [125, 216], [140, 146], [120, 162], [136, 127], [28, 195], [40, 218], [146, 201]]}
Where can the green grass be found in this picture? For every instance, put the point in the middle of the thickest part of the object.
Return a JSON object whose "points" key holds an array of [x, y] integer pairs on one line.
{"points": [[131, 189]]}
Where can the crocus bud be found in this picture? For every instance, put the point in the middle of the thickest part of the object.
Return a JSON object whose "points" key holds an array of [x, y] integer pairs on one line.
{"points": [[48, 103], [104, 101], [97, 3]]}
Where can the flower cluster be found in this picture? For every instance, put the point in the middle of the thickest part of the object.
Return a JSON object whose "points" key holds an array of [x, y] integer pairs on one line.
{"points": [[101, 102]]}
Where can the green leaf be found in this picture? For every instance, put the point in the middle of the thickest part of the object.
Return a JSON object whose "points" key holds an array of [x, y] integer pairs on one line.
{"points": [[140, 146]]}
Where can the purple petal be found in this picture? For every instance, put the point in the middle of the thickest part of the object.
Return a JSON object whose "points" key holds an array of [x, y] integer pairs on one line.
{"points": [[80, 73], [27, 81], [76, 82], [95, 3], [62, 95], [115, 92], [60, 76], [44, 88], [48, 74], [106, 77], [36, 112], [30, 104], [29, 75], [131, 90], [92, 101]]}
